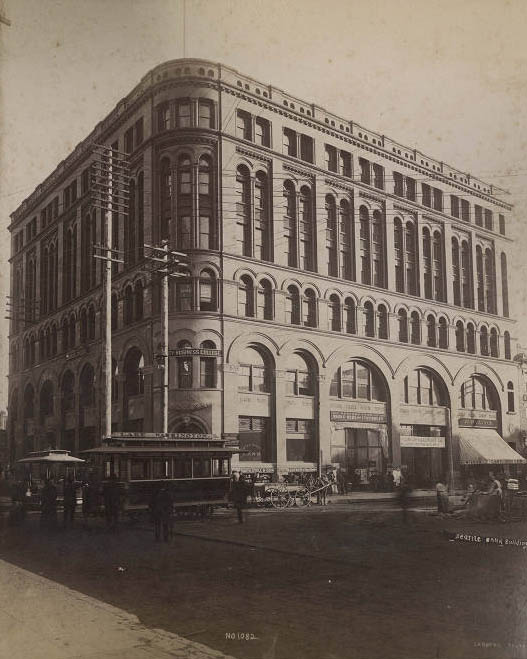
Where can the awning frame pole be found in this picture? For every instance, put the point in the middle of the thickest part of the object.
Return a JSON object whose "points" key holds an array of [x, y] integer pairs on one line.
{"points": [[450, 449]]}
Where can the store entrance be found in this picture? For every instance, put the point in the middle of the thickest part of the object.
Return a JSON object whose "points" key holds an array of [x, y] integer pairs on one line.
{"points": [[424, 466], [364, 458]]}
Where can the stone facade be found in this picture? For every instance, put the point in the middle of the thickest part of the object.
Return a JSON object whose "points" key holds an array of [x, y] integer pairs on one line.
{"points": [[344, 293]]}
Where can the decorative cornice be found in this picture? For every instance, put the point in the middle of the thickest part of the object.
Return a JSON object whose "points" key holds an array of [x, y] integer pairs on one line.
{"points": [[406, 209], [373, 197], [299, 171], [254, 154], [338, 184]]}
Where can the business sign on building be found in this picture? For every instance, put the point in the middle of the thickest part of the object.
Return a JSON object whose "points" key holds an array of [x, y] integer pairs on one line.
{"points": [[162, 435], [467, 422], [191, 352], [421, 441], [360, 417]]}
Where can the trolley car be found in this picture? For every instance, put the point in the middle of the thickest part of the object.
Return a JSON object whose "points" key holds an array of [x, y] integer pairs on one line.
{"points": [[196, 466]]}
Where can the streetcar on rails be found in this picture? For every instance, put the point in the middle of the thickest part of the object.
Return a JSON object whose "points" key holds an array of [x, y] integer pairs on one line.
{"points": [[197, 468]]}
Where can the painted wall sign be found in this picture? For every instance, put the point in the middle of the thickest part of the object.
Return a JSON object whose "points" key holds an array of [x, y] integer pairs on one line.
{"points": [[363, 417], [420, 441], [465, 422], [161, 435], [189, 352]]}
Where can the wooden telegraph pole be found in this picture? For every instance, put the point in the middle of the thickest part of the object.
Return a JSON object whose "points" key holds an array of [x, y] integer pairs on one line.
{"points": [[109, 192]]}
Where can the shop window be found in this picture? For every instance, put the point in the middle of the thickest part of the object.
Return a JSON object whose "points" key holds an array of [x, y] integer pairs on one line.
{"points": [[254, 437], [300, 444]]}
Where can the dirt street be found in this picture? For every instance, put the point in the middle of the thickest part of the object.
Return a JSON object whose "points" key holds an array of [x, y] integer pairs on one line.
{"points": [[319, 583]]}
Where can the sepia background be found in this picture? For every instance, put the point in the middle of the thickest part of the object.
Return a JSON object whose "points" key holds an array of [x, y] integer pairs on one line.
{"points": [[448, 77]]}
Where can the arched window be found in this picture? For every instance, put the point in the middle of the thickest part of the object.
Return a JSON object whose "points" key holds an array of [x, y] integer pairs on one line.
{"points": [[265, 299], [134, 364], [460, 337], [65, 335], [480, 279], [207, 291], [334, 313], [477, 393], [207, 367], [398, 241], [358, 380], [84, 326], [484, 341], [263, 239], [290, 224], [456, 272], [184, 366], [471, 339], [165, 198], [365, 246], [128, 305], [207, 233], [369, 319], [309, 308], [345, 240], [350, 316], [184, 232], [306, 234], [490, 282], [437, 266], [331, 236], [507, 345], [138, 299], [510, 397], [299, 376], [243, 211], [29, 402], [115, 311], [184, 296], [504, 285], [427, 263], [91, 323], [73, 331], [431, 331], [382, 313], [415, 328], [403, 325], [466, 275], [423, 387], [68, 392], [86, 388], [377, 249], [46, 401], [292, 306], [493, 342], [255, 373], [246, 297], [443, 333]]}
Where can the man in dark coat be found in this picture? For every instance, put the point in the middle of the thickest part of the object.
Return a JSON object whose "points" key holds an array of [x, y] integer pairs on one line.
{"points": [[48, 505], [161, 506], [112, 503], [239, 492], [70, 500]]}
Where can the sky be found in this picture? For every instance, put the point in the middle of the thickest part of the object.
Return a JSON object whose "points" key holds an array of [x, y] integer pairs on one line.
{"points": [[448, 77]]}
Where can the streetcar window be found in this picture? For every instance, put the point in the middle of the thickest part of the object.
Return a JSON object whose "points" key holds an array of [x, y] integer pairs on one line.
{"points": [[182, 468], [201, 468], [111, 466], [225, 467], [140, 469], [160, 468], [220, 467]]}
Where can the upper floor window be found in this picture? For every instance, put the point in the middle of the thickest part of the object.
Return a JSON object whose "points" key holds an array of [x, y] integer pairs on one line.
{"points": [[465, 210], [265, 299], [478, 215], [205, 114], [255, 374], [163, 117], [502, 224], [489, 223], [378, 176], [262, 132], [207, 367], [454, 205], [365, 174], [307, 148], [290, 142], [331, 158], [246, 297], [422, 387], [478, 394], [129, 140], [243, 125], [184, 114], [139, 131], [299, 376], [207, 291], [184, 366]]}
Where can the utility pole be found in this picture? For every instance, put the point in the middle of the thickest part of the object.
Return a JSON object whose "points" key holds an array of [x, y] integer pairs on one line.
{"points": [[109, 192], [169, 261]]}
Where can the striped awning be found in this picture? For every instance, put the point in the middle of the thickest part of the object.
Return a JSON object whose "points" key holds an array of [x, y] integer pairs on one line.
{"points": [[484, 446]]}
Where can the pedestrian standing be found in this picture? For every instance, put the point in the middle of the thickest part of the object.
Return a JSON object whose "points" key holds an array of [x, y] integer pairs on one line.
{"points": [[70, 500], [161, 506], [48, 505], [443, 504], [239, 493], [112, 495]]}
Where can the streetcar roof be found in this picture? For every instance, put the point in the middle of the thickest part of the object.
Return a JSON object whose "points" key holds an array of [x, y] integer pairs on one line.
{"points": [[50, 456], [137, 450]]}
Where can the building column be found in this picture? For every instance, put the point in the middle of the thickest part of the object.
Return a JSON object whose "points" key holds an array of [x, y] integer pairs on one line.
{"points": [[279, 428], [393, 327], [322, 422], [361, 321], [449, 279]]}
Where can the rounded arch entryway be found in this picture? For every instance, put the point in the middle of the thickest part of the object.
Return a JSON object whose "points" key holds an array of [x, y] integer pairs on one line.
{"points": [[189, 424]]}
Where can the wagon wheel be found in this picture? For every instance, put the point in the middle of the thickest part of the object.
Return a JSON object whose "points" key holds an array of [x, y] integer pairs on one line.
{"points": [[279, 498], [302, 497]]}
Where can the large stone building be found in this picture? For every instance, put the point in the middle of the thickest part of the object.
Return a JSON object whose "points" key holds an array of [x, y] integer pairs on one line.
{"points": [[346, 299]]}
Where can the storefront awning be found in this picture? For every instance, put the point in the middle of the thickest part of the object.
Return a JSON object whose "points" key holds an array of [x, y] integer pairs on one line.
{"points": [[484, 446]]}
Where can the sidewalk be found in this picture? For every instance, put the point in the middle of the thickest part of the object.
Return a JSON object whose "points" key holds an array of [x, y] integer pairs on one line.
{"points": [[41, 619]]}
